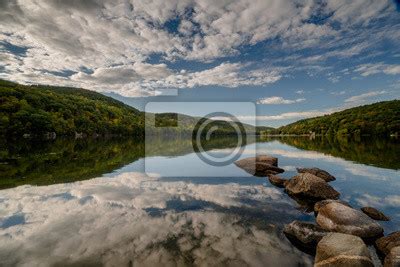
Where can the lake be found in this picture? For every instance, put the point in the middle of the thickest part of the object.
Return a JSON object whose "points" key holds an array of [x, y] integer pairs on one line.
{"points": [[118, 203]]}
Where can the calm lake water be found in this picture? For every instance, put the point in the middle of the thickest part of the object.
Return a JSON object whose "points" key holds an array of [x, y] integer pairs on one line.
{"points": [[102, 202]]}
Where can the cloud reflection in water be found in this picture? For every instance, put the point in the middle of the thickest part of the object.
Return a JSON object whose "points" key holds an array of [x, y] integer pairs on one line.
{"points": [[137, 219]]}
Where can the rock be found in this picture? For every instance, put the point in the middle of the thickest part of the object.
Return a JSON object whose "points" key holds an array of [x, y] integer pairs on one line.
{"points": [[375, 214], [304, 234], [322, 203], [260, 166], [277, 181], [267, 159], [311, 187], [326, 176], [393, 258], [336, 249], [338, 217], [385, 244]]}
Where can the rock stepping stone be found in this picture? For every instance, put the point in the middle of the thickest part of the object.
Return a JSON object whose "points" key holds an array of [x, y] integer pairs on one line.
{"points": [[375, 214], [337, 249], [277, 181], [326, 176], [262, 165], [305, 234], [386, 243], [393, 258], [338, 217], [311, 187]]}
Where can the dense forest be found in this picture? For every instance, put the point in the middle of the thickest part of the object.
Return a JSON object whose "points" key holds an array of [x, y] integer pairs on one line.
{"points": [[40, 111], [37, 110], [381, 118]]}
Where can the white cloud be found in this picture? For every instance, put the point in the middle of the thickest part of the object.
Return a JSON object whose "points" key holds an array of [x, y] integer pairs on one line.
{"points": [[364, 97], [300, 92], [117, 38], [286, 115], [274, 100], [376, 68]]}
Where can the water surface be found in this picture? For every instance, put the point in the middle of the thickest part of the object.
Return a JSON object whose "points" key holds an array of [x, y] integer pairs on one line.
{"points": [[91, 202]]}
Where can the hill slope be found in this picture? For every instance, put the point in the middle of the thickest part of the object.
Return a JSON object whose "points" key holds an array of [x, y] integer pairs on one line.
{"points": [[381, 118], [37, 110]]}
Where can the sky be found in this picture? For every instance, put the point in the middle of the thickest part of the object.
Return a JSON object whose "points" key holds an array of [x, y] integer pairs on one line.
{"points": [[293, 59]]}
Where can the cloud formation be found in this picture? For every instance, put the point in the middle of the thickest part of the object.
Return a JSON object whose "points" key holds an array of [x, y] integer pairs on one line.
{"points": [[275, 100], [371, 69], [135, 48]]}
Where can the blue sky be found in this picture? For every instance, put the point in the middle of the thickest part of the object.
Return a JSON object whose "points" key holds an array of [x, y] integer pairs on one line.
{"points": [[293, 59]]}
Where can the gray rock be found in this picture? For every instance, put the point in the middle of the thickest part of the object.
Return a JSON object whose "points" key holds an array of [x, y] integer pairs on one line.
{"points": [[260, 166], [393, 258], [326, 176], [375, 214], [277, 181], [385, 244], [306, 185], [337, 217], [336, 249], [304, 233]]}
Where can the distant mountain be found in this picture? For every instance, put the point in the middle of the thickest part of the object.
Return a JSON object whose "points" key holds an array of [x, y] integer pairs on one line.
{"points": [[381, 118]]}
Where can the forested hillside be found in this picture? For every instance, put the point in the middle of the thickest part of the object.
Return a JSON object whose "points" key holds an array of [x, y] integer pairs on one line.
{"points": [[36, 110], [381, 118], [40, 110]]}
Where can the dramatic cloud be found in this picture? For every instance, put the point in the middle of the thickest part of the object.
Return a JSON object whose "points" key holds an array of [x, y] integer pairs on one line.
{"points": [[274, 100], [135, 48]]}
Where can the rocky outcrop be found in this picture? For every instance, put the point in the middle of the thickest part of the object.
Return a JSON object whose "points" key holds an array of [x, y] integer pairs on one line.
{"points": [[336, 249], [375, 214], [262, 165], [326, 176], [306, 185], [337, 217], [393, 258], [277, 181], [385, 244], [304, 234]]}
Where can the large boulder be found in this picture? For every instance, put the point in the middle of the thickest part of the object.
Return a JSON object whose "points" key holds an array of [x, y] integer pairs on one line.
{"points": [[375, 214], [311, 187], [393, 258], [338, 217], [304, 234], [326, 176], [277, 181], [262, 165], [336, 249], [385, 244]]}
